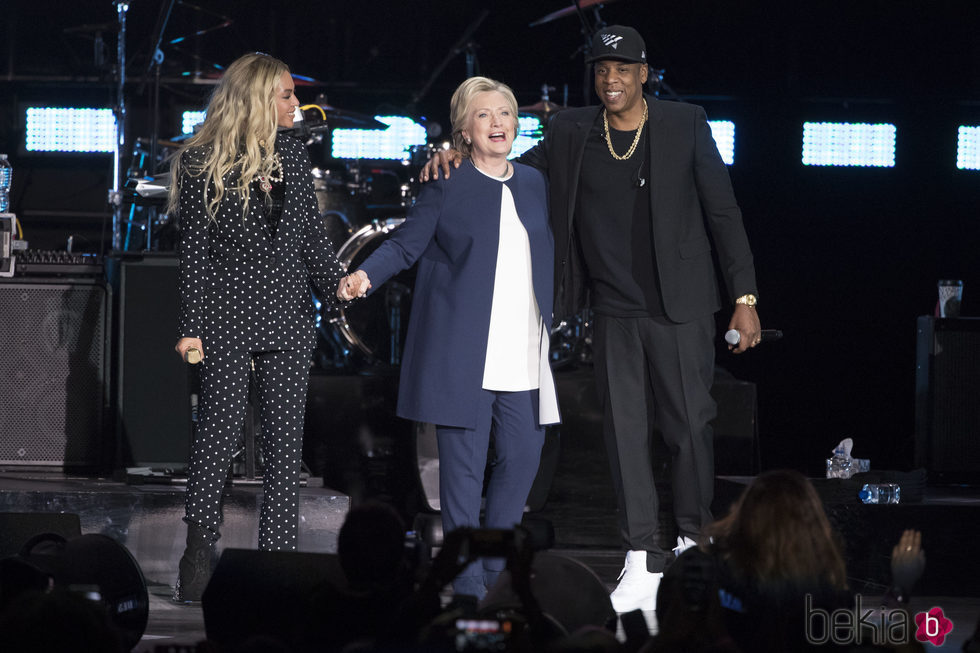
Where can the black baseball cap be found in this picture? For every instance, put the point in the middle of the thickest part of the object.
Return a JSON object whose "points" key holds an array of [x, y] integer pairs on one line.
{"points": [[620, 43]]}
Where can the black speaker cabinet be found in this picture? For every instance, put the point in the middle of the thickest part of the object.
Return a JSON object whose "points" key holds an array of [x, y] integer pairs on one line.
{"points": [[947, 398], [17, 528], [265, 593], [736, 426], [53, 384], [153, 386]]}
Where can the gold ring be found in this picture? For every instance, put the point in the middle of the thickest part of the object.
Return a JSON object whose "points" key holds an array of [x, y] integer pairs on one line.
{"points": [[908, 548]]}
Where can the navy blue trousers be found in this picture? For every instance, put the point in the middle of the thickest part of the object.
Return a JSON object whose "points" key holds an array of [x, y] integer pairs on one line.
{"points": [[462, 461]]}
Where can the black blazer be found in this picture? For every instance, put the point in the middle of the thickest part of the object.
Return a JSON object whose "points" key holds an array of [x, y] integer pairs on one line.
{"points": [[241, 288], [691, 198]]}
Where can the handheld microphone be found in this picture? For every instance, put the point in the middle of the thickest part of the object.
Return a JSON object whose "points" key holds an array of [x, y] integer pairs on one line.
{"points": [[733, 337]]}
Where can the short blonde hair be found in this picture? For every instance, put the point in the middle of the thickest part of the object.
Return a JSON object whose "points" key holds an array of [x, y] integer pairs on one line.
{"points": [[459, 107]]}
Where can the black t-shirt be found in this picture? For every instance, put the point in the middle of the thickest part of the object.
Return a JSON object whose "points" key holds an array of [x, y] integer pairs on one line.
{"points": [[613, 221]]}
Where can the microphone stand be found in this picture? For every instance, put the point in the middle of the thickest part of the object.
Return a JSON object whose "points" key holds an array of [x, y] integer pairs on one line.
{"points": [[588, 31], [115, 193], [464, 44], [155, 62]]}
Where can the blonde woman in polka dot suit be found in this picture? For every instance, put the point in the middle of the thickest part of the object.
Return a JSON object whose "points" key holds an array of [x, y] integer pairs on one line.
{"points": [[251, 240]]}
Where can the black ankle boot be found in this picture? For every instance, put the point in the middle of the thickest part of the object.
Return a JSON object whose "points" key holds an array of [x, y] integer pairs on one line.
{"points": [[194, 569]]}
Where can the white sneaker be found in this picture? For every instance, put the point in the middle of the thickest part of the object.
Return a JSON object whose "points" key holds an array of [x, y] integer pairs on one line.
{"points": [[683, 544], [637, 589]]}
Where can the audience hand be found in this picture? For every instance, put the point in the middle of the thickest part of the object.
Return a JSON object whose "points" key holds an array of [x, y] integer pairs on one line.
{"points": [[908, 560]]}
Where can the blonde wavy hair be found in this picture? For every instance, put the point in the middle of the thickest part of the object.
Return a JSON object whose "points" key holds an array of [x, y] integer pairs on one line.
{"points": [[459, 107], [238, 132]]}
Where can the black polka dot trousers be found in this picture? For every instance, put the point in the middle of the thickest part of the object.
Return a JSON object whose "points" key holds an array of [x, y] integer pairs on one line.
{"points": [[282, 380]]}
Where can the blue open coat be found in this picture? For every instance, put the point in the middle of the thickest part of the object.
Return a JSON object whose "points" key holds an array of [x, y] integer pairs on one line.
{"points": [[453, 232]]}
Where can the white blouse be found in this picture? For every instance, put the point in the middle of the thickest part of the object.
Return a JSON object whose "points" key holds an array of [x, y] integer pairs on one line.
{"points": [[513, 346]]}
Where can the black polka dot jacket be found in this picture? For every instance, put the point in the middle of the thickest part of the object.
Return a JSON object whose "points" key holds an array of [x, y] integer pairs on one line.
{"points": [[240, 286]]}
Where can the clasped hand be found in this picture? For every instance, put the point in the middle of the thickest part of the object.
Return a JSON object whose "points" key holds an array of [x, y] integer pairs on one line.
{"points": [[353, 285]]}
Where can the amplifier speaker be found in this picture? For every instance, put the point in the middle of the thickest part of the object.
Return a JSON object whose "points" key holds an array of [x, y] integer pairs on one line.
{"points": [[54, 388], [947, 413], [264, 593], [16, 528], [153, 391], [736, 426]]}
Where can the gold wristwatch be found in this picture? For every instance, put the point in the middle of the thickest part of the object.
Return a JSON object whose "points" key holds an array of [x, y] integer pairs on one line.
{"points": [[749, 300]]}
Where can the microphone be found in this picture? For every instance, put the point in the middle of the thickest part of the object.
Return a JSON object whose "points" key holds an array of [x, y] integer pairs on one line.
{"points": [[638, 179], [733, 337]]}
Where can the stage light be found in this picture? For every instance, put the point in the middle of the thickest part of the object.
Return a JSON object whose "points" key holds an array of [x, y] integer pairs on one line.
{"points": [[849, 144], [529, 132], [968, 148], [64, 129], [723, 131], [392, 143], [191, 119]]}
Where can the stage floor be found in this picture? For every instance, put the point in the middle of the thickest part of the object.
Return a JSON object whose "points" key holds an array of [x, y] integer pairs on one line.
{"points": [[580, 507]]}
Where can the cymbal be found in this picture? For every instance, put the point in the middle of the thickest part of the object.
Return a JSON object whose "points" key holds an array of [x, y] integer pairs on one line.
{"points": [[543, 108], [568, 11], [340, 118], [92, 28]]}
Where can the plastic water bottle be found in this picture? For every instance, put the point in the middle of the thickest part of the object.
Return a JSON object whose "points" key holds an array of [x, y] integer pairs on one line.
{"points": [[880, 493], [839, 466], [6, 174]]}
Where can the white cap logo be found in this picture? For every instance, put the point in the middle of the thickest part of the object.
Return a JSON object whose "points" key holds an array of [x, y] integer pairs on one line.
{"points": [[611, 40]]}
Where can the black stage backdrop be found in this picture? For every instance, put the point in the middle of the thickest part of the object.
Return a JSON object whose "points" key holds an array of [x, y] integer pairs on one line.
{"points": [[847, 258]]}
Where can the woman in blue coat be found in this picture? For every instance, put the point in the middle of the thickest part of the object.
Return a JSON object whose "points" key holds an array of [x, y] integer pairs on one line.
{"points": [[476, 352]]}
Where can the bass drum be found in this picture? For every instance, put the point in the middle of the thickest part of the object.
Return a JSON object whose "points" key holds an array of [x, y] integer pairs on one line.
{"points": [[376, 325]]}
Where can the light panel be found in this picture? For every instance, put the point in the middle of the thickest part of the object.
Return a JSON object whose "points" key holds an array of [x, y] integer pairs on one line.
{"points": [[530, 130], [65, 129], [723, 131], [392, 143], [849, 144], [191, 119], [968, 148]]}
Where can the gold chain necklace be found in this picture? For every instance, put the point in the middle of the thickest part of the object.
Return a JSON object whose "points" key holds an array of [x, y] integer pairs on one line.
{"points": [[636, 139]]}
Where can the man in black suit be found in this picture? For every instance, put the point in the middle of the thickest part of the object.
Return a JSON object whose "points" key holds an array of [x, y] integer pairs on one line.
{"points": [[641, 202], [641, 206]]}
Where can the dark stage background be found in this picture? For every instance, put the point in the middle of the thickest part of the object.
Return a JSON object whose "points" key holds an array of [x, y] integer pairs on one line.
{"points": [[846, 258]]}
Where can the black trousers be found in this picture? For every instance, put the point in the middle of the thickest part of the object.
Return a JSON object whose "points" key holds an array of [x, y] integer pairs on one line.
{"points": [[651, 369], [283, 379]]}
